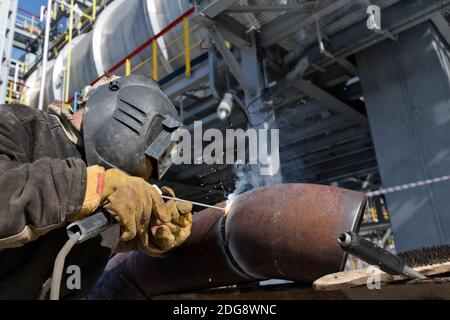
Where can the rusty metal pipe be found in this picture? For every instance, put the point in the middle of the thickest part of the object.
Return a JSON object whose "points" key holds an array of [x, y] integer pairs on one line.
{"points": [[285, 231]]}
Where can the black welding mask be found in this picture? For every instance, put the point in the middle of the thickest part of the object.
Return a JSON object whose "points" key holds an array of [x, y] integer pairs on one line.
{"points": [[128, 123]]}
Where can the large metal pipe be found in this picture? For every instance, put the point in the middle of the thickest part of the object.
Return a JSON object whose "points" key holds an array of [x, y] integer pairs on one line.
{"points": [[120, 28], [285, 231]]}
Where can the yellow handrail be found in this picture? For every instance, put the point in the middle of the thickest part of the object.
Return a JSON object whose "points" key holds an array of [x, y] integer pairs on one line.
{"points": [[22, 95], [94, 10], [10, 99], [166, 63], [83, 13], [32, 24], [182, 53], [187, 55], [55, 8], [155, 60], [127, 67]]}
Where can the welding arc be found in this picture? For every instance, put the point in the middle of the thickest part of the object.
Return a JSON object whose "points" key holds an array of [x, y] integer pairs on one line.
{"points": [[193, 202]]}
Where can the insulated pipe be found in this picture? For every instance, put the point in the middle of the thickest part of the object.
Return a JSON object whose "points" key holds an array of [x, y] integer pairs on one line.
{"points": [[285, 231]]}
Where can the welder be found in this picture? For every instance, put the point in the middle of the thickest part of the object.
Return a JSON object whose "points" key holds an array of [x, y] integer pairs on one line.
{"points": [[57, 168]]}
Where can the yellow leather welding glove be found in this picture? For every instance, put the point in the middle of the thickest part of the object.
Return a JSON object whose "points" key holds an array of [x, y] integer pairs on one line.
{"points": [[159, 237], [130, 200], [147, 223], [133, 203], [165, 236]]}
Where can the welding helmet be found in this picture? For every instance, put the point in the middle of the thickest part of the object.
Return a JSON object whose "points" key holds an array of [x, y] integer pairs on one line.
{"points": [[128, 123]]}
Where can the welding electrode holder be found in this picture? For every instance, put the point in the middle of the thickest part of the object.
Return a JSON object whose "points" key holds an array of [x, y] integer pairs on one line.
{"points": [[91, 226], [375, 255], [94, 224], [98, 222]]}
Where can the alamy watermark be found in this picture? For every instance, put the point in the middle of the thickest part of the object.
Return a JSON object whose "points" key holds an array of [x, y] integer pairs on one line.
{"points": [[73, 281], [233, 146], [374, 278], [374, 19]]}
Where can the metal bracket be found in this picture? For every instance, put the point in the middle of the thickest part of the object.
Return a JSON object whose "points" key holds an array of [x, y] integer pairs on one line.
{"points": [[347, 65]]}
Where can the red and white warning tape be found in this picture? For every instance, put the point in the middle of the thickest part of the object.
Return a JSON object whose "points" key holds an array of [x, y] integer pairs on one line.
{"points": [[406, 186]]}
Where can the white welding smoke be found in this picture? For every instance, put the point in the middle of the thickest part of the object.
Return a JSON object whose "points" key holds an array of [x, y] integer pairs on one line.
{"points": [[267, 171]]}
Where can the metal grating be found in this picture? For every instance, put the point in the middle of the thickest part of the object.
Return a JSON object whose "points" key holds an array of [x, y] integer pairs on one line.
{"points": [[254, 21]]}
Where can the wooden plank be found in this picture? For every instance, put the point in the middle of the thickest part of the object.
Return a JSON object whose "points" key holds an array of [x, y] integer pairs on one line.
{"points": [[356, 278]]}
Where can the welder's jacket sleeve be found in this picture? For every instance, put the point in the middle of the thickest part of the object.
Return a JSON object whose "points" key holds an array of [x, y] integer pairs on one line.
{"points": [[42, 179], [37, 190]]}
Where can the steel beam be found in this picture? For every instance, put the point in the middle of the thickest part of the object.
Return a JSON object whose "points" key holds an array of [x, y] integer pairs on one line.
{"points": [[212, 8], [327, 99], [213, 76], [229, 58], [180, 85], [442, 25], [19, 45], [316, 129], [21, 35], [200, 109], [232, 30]]}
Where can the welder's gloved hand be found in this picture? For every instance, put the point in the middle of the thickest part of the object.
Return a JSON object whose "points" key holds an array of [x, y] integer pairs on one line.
{"points": [[133, 202], [162, 236], [130, 200], [147, 223], [169, 235]]}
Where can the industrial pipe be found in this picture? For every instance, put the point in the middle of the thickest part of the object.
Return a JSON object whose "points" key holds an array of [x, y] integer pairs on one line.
{"points": [[285, 231]]}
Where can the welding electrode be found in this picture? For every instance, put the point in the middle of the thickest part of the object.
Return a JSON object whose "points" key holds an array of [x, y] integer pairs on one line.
{"points": [[193, 202], [375, 255], [182, 200]]}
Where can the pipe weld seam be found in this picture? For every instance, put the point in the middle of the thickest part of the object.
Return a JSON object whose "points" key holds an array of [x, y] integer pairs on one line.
{"points": [[230, 255]]}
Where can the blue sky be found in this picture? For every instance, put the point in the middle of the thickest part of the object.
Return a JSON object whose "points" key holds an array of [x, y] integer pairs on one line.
{"points": [[32, 5]]}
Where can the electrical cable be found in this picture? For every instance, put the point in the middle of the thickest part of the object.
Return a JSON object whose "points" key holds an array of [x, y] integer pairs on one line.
{"points": [[59, 265], [264, 94]]}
